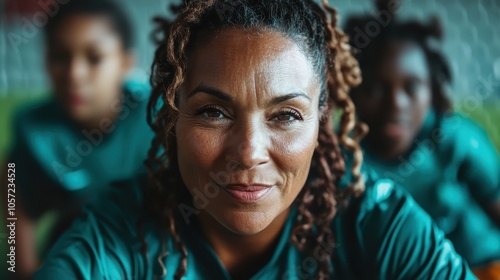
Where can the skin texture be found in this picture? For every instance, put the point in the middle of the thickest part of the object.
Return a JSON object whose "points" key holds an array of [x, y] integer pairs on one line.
{"points": [[394, 99], [86, 62], [264, 131]]}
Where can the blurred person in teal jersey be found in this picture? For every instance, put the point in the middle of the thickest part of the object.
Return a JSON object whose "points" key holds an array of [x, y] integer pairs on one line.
{"points": [[445, 160], [257, 184], [92, 131]]}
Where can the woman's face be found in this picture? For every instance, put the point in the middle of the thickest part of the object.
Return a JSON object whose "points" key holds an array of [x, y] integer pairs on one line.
{"points": [[394, 98], [87, 62], [247, 127]]}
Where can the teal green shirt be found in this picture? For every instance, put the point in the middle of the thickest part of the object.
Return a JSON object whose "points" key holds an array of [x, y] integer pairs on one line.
{"points": [[60, 166], [453, 172], [382, 235]]}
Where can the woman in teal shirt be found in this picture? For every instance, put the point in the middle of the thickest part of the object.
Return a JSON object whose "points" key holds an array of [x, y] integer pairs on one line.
{"points": [[69, 148], [256, 185], [445, 160]]}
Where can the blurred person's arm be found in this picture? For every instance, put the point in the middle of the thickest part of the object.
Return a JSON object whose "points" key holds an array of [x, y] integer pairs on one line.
{"points": [[480, 168], [26, 196], [25, 247]]}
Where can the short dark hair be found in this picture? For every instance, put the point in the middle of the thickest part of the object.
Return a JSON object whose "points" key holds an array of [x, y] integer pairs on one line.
{"points": [[118, 18]]}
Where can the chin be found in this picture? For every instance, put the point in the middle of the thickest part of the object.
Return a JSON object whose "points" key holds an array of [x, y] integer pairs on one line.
{"points": [[245, 222], [78, 115]]}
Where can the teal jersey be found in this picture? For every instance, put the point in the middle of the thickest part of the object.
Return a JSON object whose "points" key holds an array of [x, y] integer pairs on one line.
{"points": [[383, 234], [60, 166], [453, 172]]}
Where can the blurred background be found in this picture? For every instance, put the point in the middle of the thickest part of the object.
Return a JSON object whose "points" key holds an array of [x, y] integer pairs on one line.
{"points": [[472, 45]]}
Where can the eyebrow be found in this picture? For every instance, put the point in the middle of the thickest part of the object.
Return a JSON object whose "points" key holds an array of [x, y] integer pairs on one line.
{"points": [[212, 91], [226, 97], [283, 98]]}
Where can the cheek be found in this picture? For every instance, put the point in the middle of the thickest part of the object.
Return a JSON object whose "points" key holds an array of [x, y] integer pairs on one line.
{"points": [[420, 106], [198, 150], [293, 154], [422, 102], [106, 81], [108, 72]]}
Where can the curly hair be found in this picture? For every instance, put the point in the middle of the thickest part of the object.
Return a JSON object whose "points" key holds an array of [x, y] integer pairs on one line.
{"points": [[414, 31], [313, 27]]}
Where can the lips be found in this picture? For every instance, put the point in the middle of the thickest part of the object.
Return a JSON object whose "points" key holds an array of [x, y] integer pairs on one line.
{"points": [[248, 193], [76, 100], [394, 130]]}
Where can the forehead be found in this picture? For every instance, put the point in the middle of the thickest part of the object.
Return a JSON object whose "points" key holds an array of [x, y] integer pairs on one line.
{"points": [[234, 58], [80, 29], [404, 58]]}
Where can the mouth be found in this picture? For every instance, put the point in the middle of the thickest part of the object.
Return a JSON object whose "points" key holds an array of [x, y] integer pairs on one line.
{"points": [[394, 129], [76, 100], [243, 193]]}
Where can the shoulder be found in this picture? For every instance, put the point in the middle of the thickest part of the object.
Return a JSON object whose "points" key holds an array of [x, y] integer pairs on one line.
{"points": [[140, 91], [133, 109], [136, 96], [460, 132], [103, 243], [32, 124], [35, 114], [398, 240]]}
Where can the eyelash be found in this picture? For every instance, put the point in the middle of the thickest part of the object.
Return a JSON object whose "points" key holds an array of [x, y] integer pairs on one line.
{"points": [[202, 110], [291, 112]]}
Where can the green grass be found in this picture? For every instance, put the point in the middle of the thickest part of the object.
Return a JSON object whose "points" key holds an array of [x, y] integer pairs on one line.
{"points": [[488, 117]]}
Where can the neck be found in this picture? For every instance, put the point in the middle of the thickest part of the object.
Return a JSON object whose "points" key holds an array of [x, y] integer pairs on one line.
{"points": [[106, 119], [242, 255], [101, 122]]}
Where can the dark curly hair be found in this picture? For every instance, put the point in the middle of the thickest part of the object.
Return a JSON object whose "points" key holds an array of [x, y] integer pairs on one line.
{"points": [[414, 31], [314, 28]]}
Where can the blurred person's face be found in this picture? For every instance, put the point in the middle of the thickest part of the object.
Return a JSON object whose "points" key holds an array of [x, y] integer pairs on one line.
{"points": [[394, 98], [87, 62], [248, 126]]}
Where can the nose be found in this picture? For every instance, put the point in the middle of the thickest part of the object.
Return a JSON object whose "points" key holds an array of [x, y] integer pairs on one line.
{"points": [[77, 70], [398, 100], [249, 146]]}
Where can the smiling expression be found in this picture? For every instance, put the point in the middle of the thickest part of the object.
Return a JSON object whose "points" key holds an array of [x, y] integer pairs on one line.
{"points": [[247, 127]]}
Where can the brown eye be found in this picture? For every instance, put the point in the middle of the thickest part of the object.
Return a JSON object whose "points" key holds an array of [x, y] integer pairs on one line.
{"points": [[412, 86], [211, 113], [288, 117], [94, 59]]}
